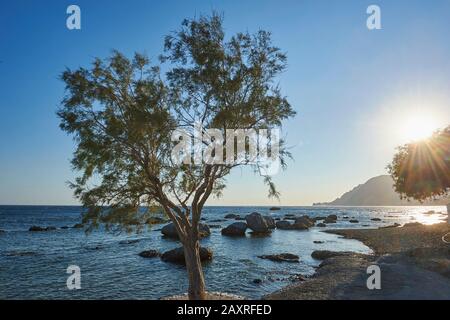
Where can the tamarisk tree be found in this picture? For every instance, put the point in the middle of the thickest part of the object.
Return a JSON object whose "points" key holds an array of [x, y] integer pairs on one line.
{"points": [[123, 113], [421, 170]]}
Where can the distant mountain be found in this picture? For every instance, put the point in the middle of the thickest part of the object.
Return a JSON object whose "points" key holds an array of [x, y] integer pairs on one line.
{"points": [[378, 191]]}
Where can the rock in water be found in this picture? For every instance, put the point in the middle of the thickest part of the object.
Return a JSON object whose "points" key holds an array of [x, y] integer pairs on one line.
{"points": [[149, 254], [321, 225], [353, 221], [275, 208], [170, 231], [36, 228], [281, 257], [331, 219], [231, 216], [270, 222], [283, 225], [235, 229], [257, 223], [304, 222], [375, 219], [177, 255]]}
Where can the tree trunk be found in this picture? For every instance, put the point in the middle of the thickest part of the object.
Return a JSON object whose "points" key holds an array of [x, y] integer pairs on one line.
{"points": [[197, 290]]}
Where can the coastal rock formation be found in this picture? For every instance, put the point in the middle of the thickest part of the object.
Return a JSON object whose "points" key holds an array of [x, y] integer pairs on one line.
{"points": [[149, 254], [235, 229], [177, 255], [170, 231], [281, 257], [257, 223], [37, 228]]}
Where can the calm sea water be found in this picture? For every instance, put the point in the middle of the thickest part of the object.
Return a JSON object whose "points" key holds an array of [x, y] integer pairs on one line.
{"points": [[33, 264]]}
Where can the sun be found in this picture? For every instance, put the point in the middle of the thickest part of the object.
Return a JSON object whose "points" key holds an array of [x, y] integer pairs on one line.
{"points": [[417, 127]]}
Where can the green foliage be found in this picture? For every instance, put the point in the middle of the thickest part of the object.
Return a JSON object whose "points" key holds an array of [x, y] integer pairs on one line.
{"points": [[122, 113], [421, 170]]}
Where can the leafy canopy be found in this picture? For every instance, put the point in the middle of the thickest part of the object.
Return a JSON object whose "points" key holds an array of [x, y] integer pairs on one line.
{"points": [[122, 113], [421, 170]]}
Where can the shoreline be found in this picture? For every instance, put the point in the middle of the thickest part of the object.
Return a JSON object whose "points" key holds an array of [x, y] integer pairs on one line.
{"points": [[414, 264]]}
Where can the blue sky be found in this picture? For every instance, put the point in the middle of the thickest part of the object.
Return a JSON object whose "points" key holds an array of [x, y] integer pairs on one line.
{"points": [[352, 88]]}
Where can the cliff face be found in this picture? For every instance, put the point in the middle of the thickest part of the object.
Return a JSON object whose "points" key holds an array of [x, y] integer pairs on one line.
{"points": [[377, 191]]}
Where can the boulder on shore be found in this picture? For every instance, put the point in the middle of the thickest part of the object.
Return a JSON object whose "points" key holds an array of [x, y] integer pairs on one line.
{"points": [[257, 223], [281, 257], [170, 231], [236, 229], [177, 255]]}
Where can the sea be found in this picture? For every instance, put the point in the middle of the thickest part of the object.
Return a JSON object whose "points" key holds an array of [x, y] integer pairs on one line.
{"points": [[34, 265]]}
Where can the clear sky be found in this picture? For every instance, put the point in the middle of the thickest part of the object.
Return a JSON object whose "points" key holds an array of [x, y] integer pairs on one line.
{"points": [[354, 89]]}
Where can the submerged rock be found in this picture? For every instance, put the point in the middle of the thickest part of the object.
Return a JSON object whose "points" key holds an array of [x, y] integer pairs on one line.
{"points": [[149, 254], [257, 223], [129, 241], [281, 257], [236, 229], [325, 254], [155, 220], [231, 216], [321, 225], [37, 228], [177, 255]]}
